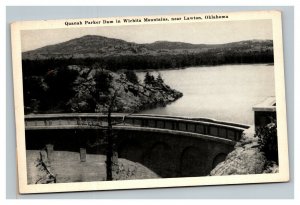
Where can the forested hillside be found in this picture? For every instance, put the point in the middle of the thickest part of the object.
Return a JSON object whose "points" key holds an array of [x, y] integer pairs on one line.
{"points": [[115, 54]]}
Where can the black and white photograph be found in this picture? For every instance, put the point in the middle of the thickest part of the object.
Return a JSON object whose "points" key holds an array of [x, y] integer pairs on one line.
{"points": [[144, 102]]}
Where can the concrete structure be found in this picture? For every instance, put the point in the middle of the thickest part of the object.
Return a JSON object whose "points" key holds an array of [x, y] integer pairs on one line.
{"points": [[264, 112], [169, 146]]}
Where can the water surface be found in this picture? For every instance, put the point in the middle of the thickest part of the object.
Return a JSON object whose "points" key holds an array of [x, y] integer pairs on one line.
{"points": [[225, 92]]}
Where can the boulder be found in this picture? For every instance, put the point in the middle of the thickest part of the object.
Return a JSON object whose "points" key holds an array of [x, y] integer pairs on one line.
{"points": [[241, 161]]}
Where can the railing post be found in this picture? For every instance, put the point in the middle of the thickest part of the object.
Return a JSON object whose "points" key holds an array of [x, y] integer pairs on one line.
{"points": [[82, 154], [237, 135], [49, 150], [208, 130]]}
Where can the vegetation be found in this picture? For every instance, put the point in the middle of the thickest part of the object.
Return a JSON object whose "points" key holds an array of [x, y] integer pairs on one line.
{"points": [[116, 54], [49, 90], [149, 79], [131, 76], [163, 61], [267, 140], [159, 79], [71, 88]]}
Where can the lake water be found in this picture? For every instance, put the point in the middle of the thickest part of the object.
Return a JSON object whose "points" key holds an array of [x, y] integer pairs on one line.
{"points": [[225, 92]]}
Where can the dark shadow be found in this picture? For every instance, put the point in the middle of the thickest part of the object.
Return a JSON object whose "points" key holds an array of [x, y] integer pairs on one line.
{"points": [[131, 150], [218, 159], [159, 159], [193, 163]]}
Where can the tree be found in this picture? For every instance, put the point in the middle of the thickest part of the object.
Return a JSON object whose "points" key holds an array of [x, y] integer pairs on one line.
{"points": [[159, 79], [131, 76], [149, 79], [112, 165], [111, 152], [60, 87], [267, 140], [35, 94], [103, 81]]}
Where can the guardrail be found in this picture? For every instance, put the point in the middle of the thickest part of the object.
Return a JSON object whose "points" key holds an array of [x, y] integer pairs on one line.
{"points": [[231, 131]]}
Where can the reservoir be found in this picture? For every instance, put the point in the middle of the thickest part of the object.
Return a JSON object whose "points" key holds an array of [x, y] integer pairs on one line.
{"points": [[226, 92]]}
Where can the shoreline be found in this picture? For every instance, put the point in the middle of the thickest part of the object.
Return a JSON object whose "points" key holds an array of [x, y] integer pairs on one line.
{"points": [[201, 66]]}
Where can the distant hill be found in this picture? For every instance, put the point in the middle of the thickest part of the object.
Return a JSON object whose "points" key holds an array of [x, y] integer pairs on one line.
{"points": [[160, 45], [92, 46], [86, 46]]}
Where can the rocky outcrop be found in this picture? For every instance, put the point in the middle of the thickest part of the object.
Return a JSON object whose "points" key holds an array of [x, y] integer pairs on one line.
{"points": [[39, 169], [78, 88], [246, 158], [136, 97], [129, 97]]}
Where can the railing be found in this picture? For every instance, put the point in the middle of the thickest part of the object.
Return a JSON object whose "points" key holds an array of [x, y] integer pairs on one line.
{"points": [[231, 131]]}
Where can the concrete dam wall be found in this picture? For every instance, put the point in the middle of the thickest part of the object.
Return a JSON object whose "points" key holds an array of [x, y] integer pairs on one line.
{"points": [[170, 147]]}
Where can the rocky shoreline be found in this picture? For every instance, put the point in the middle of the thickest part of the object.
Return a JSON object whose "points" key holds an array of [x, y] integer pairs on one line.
{"points": [[246, 158], [138, 97], [97, 90]]}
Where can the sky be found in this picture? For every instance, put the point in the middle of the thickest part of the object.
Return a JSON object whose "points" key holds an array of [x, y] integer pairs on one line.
{"points": [[197, 33]]}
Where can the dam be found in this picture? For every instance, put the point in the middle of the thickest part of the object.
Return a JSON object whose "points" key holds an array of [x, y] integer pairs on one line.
{"points": [[169, 146]]}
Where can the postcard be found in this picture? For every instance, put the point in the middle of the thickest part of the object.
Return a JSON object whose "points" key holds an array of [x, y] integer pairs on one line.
{"points": [[149, 101]]}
